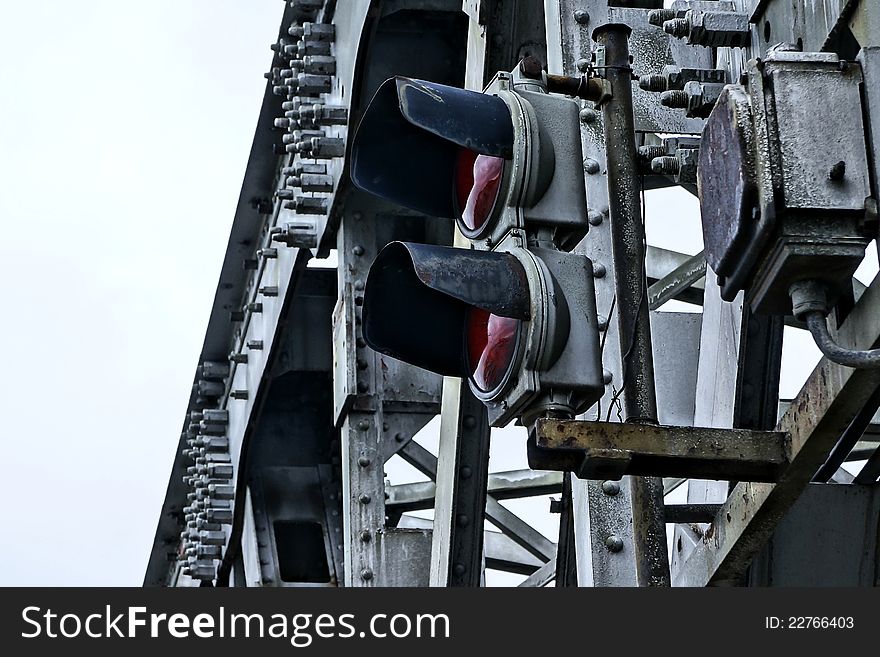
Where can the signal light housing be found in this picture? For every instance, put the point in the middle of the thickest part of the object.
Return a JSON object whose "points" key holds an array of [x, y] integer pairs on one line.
{"points": [[425, 304], [416, 138]]}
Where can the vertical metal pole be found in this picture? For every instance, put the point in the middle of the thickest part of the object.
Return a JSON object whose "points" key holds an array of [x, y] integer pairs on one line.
{"points": [[628, 242], [460, 498]]}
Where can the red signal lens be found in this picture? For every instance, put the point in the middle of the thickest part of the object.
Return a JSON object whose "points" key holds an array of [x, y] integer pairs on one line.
{"points": [[477, 181], [491, 347]]}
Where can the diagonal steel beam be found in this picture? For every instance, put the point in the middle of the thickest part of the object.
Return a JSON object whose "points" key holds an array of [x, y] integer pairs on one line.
{"points": [[541, 577], [508, 522], [824, 408], [502, 485], [675, 282]]}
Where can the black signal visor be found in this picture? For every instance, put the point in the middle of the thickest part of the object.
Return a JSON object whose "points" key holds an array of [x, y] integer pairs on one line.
{"points": [[417, 295], [406, 144]]}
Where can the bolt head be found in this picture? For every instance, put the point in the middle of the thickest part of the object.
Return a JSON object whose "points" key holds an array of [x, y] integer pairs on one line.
{"points": [[614, 543], [588, 115], [610, 488], [366, 536], [581, 17], [364, 461], [366, 574], [365, 499], [459, 569], [607, 376]]}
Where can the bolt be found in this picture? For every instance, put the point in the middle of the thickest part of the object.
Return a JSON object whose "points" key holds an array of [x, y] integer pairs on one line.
{"points": [[581, 17], [269, 290], [614, 543], [583, 65], [465, 472], [595, 218], [531, 68], [838, 171], [364, 461], [591, 166], [599, 270], [675, 98], [363, 386], [648, 153], [358, 250], [659, 16], [366, 536], [668, 165], [588, 115], [653, 82], [611, 488], [365, 499], [362, 364], [363, 425], [677, 27], [255, 307], [239, 394], [458, 569], [399, 437], [462, 520], [469, 421], [255, 344], [555, 506], [366, 574], [602, 323], [607, 376]]}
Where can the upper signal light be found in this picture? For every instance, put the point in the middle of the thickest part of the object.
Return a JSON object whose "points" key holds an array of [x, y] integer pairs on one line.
{"points": [[507, 158]]}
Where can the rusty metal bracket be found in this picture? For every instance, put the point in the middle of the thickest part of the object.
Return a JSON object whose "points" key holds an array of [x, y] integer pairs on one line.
{"points": [[607, 450]]}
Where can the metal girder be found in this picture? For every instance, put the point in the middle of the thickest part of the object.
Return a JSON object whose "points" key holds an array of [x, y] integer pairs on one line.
{"points": [[460, 496], [825, 406], [500, 551], [508, 522], [541, 577], [677, 281], [609, 450], [502, 486]]}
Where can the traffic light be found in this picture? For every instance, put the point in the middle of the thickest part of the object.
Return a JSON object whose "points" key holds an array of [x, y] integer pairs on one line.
{"points": [[508, 158], [516, 314]]}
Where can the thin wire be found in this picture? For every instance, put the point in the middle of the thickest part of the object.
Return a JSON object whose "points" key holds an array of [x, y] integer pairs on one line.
{"points": [[644, 285], [602, 350]]}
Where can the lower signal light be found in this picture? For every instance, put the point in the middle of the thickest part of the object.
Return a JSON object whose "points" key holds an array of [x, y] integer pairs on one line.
{"points": [[491, 347]]}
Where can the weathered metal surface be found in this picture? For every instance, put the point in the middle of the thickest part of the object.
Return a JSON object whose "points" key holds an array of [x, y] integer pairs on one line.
{"points": [[610, 450], [403, 557], [676, 281], [460, 500], [829, 537], [823, 409], [691, 513], [634, 327]]}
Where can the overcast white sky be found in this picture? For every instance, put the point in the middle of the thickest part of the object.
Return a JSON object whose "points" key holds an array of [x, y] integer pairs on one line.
{"points": [[125, 131]]}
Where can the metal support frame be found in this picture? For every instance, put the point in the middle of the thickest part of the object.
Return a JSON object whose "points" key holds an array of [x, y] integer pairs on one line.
{"points": [[605, 449], [460, 498], [826, 405], [634, 327]]}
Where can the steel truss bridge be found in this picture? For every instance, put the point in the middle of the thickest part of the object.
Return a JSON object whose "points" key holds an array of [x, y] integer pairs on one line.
{"points": [[280, 476]]}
